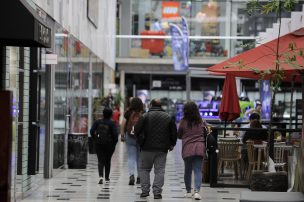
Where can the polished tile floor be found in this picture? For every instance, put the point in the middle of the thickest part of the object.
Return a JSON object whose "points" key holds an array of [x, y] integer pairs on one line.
{"points": [[81, 184]]}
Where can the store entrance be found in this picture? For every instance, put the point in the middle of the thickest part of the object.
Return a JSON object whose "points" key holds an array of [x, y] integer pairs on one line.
{"points": [[37, 115]]}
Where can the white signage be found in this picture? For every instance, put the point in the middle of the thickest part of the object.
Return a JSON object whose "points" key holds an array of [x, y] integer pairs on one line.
{"points": [[156, 84], [50, 59]]}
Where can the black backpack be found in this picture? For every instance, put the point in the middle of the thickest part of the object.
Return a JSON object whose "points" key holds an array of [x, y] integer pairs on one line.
{"points": [[103, 134]]}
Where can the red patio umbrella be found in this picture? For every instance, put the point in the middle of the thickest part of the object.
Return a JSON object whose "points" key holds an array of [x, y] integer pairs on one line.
{"points": [[263, 58], [230, 107]]}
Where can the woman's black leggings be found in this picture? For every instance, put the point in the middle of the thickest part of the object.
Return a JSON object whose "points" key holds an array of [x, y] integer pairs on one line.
{"points": [[104, 155]]}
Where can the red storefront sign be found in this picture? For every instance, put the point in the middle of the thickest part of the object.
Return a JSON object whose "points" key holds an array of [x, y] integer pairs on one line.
{"points": [[170, 9]]}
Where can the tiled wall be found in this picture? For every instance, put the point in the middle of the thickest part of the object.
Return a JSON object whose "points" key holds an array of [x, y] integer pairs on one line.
{"points": [[11, 73], [21, 184], [26, 180], [7, 62]]}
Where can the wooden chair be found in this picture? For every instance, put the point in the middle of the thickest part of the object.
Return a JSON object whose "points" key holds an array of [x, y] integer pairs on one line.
{"points": [[278, 156], [229, 152], [252, 160]]}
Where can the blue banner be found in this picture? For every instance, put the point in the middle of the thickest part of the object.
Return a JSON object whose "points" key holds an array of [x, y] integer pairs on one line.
{"points": [[178, 48], [265, 99], [185, 31]]}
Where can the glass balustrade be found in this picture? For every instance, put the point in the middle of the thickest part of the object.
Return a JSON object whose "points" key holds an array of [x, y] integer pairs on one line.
{"points": [[200, 48]]}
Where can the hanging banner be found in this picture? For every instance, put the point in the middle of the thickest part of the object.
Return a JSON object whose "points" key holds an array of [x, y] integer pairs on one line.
{"points": [[177, 48], [185, 31], [265, 99]]}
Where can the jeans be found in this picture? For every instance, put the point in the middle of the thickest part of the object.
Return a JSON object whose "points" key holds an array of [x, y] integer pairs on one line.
{"points": [[133, 155], [194, 163], [104, 155], [148, 159]]}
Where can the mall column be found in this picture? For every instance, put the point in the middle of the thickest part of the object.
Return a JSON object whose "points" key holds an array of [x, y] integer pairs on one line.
{"points": [[5, 145]]}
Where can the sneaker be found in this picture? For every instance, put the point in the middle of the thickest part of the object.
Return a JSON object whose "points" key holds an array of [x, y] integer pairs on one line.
{"points": [[138, 180], [132, 180], [196, 196], [100, 181], [158, 196], [188, 195], [107, 180], [144, 195]]}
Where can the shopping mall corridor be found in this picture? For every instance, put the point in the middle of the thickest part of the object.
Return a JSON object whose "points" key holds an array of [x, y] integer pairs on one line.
{"points": [[81, 184]]}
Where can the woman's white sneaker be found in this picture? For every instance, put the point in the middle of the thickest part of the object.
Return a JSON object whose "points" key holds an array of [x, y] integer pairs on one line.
{"points": [[188, 195], [196, 196]]}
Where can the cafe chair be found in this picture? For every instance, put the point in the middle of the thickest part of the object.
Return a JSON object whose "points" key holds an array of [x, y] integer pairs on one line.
{"points": [[252, 160], [229, 152], [278, 156]]}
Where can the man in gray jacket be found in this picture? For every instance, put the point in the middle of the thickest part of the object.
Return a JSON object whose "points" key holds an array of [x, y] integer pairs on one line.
{"points": [[160, 135]]}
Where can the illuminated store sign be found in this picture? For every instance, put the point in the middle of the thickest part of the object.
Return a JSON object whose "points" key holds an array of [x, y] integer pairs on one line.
{"points": [[42, 34], [170, 9]]}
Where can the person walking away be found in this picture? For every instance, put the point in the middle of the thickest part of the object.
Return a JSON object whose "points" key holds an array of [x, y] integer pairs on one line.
{"points": [[131, 116], [123, 130], [191, 131], [116, 116], [160, 135], [105, 137]]}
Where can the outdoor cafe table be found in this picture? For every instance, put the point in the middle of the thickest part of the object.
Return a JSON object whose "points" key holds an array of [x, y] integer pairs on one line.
{"points": [[262, 147]]}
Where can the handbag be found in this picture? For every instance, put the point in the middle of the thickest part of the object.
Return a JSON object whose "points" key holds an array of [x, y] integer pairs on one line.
{"points": [[131, 122]]}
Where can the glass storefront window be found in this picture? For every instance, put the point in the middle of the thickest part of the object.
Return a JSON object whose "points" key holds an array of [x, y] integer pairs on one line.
{"points": [[97, 86], [207, 18], [62, 83], [73, 90], [61, 80], [209, 23], [12, 85], [79, 87], [204, 19]]}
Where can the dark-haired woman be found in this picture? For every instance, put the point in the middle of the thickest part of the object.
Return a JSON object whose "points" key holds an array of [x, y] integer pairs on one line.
{"points": [[105, 137], [132, 114], [257, 136], [191, 130]]}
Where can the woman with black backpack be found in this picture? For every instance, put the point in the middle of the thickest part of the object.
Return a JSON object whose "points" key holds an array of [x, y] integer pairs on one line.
{"points": [[105, 137]]}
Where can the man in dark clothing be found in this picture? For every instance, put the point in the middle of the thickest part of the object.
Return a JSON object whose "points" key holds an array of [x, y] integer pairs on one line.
{"points": [[160, 135]]}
